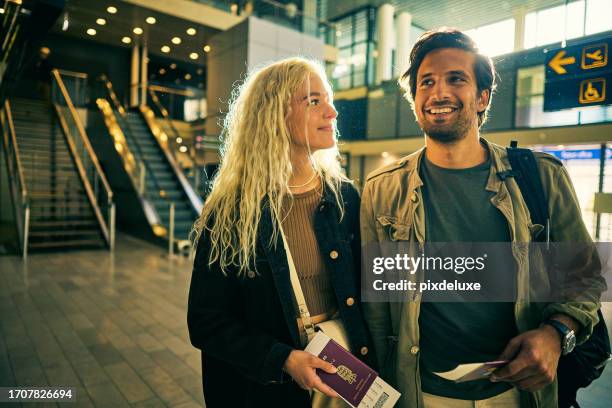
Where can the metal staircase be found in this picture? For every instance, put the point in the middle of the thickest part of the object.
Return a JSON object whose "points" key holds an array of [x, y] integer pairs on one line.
{"points": [[61, 215], [61, 199]]}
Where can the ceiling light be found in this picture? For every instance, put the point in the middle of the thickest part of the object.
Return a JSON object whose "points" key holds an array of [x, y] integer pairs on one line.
{"points": [[200, 71], [179, 140], [183, 149], [191, 31], [176, 40], [137, 30], [165, 49], [126, 40], [206, 48], [173, 66], [111, 9], [162, 71], [1, 11], [151, 20], [194, 56], [100, 21], [187, 77], [91, 31]]}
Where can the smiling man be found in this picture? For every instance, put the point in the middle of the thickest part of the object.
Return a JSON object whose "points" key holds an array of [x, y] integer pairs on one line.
{"points": [[450, 191]]}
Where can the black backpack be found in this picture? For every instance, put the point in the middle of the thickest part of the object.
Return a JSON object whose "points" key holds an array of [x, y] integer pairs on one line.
{"points": [[581, 367]]}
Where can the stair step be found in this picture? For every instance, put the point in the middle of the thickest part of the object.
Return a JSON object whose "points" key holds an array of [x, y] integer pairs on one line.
{"points": [[72, 194], [38, 204], [56, 233], [63, 223], [67, 243]]}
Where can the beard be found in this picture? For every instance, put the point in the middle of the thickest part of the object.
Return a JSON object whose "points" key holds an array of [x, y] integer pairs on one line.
{"points": [[449, 132]]}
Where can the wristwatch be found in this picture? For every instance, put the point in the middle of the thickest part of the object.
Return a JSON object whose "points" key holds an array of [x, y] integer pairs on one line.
{"points": [[568, 338]]}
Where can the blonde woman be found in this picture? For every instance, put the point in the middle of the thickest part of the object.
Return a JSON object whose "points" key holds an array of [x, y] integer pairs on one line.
{"points": [[279, 168]]}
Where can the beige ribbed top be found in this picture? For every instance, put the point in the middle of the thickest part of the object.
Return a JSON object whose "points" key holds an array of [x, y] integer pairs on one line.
{"points": [[298, 226]]}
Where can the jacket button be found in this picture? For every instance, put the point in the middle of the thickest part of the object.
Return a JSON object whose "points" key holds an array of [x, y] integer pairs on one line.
{"points": [[413, 197], [333, 254], [251, 274], [350, 301], [364, 351], [321, 207], [414, 349]]}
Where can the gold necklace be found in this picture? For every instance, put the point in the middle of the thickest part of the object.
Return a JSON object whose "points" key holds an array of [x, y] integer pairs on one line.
{"points": [[306, 183]]}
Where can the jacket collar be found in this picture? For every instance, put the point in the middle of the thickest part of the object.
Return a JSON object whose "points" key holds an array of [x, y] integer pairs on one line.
{"points": [[497, 154]]}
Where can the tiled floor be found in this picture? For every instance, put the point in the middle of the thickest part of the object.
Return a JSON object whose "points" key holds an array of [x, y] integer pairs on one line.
{"points": [[114, 327], [111, 325]]}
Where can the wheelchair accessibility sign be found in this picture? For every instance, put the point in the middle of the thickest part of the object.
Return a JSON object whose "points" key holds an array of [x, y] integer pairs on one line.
{"points": [[592, 90], [578, 75]]}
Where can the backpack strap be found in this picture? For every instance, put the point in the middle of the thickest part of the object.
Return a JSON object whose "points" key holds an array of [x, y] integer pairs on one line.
{"points": [[527, 176]]}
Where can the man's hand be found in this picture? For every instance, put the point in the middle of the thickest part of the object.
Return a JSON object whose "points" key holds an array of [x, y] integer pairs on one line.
{"points": [[301, 366], [535, 356]]}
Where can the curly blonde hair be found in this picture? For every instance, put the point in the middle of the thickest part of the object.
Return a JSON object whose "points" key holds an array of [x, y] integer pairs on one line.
{"points": [[255, 162]]}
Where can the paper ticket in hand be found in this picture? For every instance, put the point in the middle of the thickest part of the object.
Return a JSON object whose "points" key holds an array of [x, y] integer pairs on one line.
{"points": [[473, 371], [355, 382]]}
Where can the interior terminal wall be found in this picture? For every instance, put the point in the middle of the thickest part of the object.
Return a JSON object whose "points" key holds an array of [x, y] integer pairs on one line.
{"points": [[246, 46], [92, 58]]}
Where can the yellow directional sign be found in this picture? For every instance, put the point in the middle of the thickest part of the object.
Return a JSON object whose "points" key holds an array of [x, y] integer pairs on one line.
{"points": [[592, 90], [594, 56], [558, 62]]}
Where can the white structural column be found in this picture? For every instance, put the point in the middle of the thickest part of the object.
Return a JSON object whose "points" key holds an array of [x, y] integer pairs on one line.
{"points": [[384, 30], [144, 64], [134, 76], [519, 14], [309, 18], [402, 43]]}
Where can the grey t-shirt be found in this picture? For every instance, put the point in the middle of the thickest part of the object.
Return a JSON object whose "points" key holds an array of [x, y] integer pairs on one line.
{"points": [[458, 209]]}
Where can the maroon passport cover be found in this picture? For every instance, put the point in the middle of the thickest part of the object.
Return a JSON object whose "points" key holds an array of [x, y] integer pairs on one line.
{"points": [[353, 378]]}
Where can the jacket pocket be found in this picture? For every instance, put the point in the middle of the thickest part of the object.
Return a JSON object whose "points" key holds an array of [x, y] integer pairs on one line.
{"points": [[395, 230]]}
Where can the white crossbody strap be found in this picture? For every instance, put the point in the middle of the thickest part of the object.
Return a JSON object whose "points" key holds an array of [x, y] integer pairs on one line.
{"points": [[297, 288]]}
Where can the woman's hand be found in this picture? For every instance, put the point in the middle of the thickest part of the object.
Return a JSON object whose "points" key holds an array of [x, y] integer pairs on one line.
{"points": [[301, 366]]}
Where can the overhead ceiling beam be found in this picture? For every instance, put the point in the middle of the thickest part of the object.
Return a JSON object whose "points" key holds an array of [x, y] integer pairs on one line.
{"points": [[192, 11]]}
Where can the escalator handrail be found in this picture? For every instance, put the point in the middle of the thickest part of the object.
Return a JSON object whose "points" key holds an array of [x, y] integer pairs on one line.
{"points": [[194, 199], [126, 125], [164, 112]]}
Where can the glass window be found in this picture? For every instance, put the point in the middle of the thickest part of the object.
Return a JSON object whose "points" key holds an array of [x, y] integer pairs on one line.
{"points": [[598, 16], [549, 27], [554, 24], [494, 39]]}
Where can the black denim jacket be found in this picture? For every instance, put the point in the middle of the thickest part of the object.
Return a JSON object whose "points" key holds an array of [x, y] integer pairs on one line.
{"points": [[246, 326]]}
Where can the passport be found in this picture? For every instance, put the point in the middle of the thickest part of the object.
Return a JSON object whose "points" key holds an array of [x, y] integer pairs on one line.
{"points": [[354, 381]]}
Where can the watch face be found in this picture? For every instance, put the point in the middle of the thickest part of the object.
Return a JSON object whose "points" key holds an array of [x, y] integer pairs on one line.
{"points": [[569, 343]]}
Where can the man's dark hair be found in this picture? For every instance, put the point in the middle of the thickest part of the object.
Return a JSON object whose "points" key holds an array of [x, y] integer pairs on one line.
{"points": [[446, 37]]}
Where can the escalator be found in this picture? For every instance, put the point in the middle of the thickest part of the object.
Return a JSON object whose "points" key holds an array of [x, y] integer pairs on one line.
{"points": [[168, 202]]}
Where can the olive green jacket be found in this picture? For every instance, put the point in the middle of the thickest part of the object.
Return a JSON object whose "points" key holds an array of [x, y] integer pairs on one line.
{"points": [[392, 210]]}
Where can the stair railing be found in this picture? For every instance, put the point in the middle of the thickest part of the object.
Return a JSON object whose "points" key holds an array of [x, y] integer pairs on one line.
{"points": [[137, 169], [88, 166], [19, 191]]}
